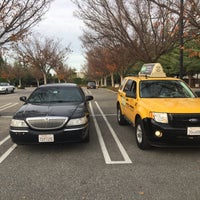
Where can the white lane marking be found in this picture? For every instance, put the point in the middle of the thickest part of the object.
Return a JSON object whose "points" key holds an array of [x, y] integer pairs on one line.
{"points": [[8, 106], [119, 144], [7, 117], [4, 140], [100, 115], [101, 141], [5, 105], [7, 153]]}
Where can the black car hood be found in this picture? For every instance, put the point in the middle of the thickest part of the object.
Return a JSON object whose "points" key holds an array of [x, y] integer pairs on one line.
{"points": [[41, 110]]}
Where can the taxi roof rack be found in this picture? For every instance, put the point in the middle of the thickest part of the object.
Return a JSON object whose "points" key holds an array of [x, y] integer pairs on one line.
{"points": [[152, 70]]}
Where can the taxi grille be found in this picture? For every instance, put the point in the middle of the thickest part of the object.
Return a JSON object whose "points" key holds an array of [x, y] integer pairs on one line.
{"points": [[184, 120], [46, 123]]}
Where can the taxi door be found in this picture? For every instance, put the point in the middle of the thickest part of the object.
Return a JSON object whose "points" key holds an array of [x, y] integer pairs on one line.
{"points": [[131, 101]]}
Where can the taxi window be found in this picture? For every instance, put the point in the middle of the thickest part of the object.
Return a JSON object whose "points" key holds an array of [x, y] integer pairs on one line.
{"points": [[128, 85]]}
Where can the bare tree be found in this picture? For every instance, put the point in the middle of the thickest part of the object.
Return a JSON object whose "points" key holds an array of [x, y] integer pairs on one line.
{"points": [[191, 10], [35, 73], [145, 29], [18, 16], [43, 54], [64, 72]]}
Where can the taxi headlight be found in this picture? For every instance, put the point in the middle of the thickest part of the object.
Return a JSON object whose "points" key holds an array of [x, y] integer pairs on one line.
{"points": [[18, 123], [160, 117], [77, 121]]}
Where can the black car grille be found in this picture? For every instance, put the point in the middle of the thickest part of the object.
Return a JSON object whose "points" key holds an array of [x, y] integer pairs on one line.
{"points": [[46, 123], [184, 120]]}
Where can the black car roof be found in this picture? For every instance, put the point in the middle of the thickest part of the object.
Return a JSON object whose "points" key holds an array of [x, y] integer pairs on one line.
{"points": [[59, 84]]}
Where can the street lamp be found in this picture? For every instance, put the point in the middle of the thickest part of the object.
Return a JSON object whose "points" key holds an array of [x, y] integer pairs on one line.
{"points": [[181, 37]]}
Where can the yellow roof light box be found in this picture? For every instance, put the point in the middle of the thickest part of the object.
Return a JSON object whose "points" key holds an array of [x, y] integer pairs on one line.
{"points": [[152, 70]]}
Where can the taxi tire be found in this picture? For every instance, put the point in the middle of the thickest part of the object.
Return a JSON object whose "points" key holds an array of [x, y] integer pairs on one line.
{"points": [[120, 118], [140, 135]]}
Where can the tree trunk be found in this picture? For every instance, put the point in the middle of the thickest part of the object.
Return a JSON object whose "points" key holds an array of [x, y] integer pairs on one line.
{"points": [[101, 82], [121, 78], [20, 82], [38, 82], [190, 80], [112, 79], [105, 81], [45, 78]]}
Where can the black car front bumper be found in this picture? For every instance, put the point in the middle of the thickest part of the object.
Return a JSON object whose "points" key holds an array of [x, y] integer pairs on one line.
{"points": [[29, 136]]}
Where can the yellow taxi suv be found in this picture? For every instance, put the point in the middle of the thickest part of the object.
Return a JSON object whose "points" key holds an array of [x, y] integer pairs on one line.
{"points": [[164, 111]]}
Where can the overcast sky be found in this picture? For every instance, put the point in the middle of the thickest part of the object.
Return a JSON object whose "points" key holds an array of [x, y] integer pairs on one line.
{"points": [[60, 23]]}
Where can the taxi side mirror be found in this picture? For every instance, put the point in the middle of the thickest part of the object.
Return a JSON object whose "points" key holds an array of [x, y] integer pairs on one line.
{"points": [[130, 94]]}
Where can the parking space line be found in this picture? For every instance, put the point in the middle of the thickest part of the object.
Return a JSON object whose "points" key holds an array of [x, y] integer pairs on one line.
{"points": [[106, 155], [7, 106], [4, 140], [7, 153], [101, 141]]}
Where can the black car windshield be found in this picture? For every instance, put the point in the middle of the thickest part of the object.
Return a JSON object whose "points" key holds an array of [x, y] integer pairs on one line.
{"points": [[56, 95], [165, 89]]}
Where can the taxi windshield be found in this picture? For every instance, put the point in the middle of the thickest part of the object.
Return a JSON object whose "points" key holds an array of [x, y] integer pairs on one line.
{"points": [[165, 89]]}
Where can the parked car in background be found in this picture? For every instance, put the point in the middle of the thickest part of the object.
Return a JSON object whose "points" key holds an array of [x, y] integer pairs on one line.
{"points": [[53, 113], [164, 111], [91, 85], [6, 88]]}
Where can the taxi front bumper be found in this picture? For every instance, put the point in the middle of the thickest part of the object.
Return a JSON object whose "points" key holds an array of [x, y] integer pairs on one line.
{"points": [[165, 135]]}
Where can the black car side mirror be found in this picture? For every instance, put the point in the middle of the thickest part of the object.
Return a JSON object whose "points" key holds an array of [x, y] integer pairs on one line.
{"points": [[23, 98], [89, 98]]}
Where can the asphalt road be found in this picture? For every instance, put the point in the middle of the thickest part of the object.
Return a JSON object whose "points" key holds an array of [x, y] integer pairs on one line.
{"points": [[110, 167]]}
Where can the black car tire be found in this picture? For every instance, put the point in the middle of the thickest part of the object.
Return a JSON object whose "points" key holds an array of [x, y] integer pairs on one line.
{"points": [[140, 135], [87, 138], [120, 118]]}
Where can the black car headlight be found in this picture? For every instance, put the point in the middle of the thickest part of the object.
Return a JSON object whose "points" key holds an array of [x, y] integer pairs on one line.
{"points": [[78, 121], [18, 123]]}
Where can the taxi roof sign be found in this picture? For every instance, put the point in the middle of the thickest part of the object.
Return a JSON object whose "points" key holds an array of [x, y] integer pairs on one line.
{"points": [[152, 70]]}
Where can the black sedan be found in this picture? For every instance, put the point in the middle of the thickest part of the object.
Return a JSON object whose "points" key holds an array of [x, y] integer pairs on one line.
{"points": [[53, 113]]}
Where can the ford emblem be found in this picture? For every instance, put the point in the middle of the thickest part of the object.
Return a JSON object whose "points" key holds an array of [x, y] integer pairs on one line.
{"points": [[193, 120]]}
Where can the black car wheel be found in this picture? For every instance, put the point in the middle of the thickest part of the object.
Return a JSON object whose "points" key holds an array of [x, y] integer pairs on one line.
{"points": [[120, 118], [87, 138], [141, 138]]}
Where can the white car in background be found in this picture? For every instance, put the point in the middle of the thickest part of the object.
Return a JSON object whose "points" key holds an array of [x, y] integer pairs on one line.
{"points": [[6, 88]]}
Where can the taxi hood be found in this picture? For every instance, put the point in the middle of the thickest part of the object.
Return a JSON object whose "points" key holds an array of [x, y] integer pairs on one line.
{"points": [[171, 105]]}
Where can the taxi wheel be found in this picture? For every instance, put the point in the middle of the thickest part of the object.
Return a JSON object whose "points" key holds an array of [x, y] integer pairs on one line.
{"points": [[120, 118], [141, 138]]}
